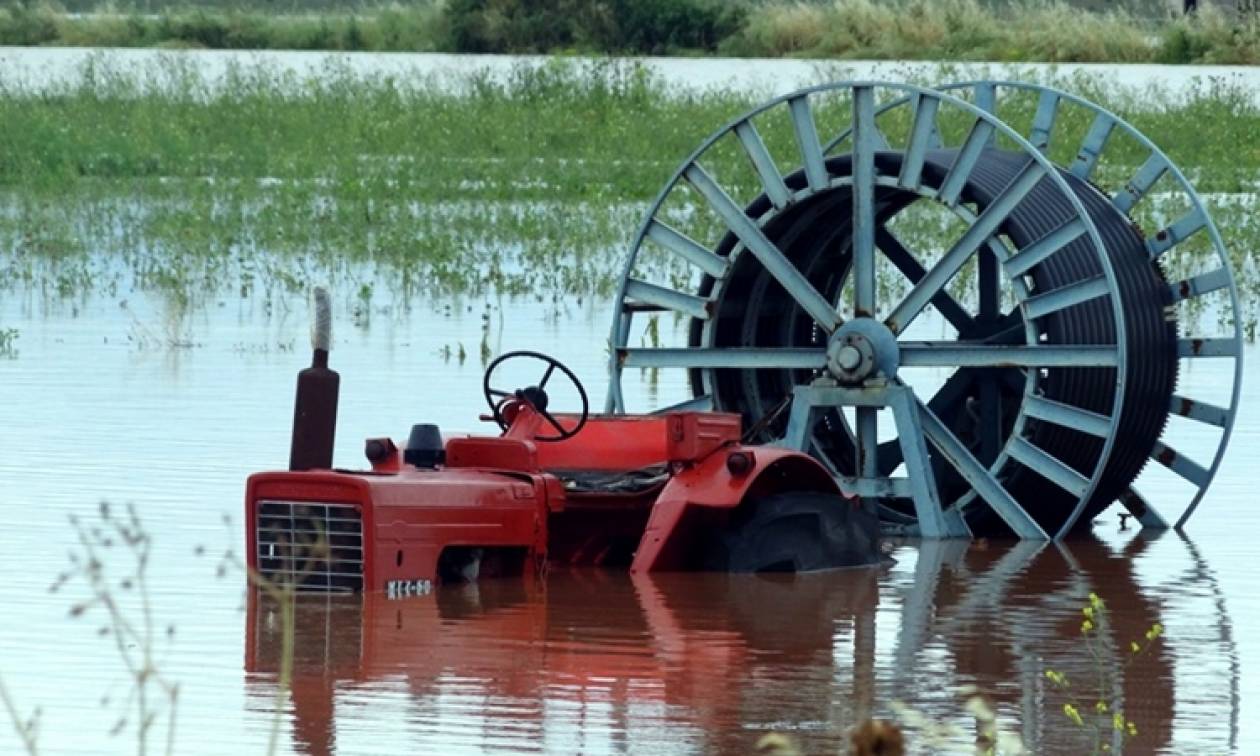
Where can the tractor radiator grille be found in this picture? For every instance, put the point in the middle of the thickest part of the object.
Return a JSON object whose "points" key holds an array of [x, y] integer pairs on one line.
{"points": [[314, 546]]}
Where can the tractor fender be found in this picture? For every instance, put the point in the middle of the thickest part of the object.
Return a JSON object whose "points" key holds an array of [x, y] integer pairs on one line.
{"points": [[701, 496]]}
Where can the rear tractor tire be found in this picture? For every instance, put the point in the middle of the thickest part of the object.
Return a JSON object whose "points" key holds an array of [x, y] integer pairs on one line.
{"points": [[797, 532]]}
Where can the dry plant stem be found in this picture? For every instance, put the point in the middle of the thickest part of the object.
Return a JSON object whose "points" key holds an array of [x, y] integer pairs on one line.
{"points": [[24, 732], [140, 663], [284, 593], [288, 633]]}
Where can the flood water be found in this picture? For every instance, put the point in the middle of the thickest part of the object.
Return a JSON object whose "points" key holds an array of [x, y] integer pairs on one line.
{"points": [[589, 662], [132, 398]]}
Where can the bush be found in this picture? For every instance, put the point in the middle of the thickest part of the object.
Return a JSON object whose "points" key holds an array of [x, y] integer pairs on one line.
{"points": [[630, 26], [24, 24], [661, 26], [1211, 36], [510, 26]]}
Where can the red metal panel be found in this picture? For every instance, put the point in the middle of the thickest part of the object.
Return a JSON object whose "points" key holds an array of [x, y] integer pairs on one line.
{"points": [[695, 435], [492, 453], [631, 442], [408, 518]]}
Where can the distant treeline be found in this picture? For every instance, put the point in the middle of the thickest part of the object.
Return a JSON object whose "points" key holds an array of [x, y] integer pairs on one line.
{"points": [[1085, 30]]}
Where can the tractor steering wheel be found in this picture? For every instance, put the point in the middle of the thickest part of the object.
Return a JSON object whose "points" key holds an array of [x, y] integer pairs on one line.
{"points": [[535, 396]]}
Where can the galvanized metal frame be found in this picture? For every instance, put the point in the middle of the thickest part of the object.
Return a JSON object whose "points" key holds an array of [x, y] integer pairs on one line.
{"points": [[1160, 241], [867, 139]]}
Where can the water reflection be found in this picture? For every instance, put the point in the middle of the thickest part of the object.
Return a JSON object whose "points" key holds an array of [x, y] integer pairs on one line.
{"points": [[600, 661]]}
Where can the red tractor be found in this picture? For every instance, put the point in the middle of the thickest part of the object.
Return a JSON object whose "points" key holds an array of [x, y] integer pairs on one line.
{"points": [[671, 491]]}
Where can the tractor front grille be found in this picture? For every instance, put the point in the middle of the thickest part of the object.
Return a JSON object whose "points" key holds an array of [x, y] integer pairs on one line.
{"points": [[312, 546]]}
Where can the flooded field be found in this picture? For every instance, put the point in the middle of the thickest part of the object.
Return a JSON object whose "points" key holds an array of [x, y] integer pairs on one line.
{"points": [[587, 662], [152, 317]]}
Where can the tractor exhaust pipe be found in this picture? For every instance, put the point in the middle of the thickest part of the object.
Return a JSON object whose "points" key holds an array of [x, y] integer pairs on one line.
{"points": [[315, 407]]}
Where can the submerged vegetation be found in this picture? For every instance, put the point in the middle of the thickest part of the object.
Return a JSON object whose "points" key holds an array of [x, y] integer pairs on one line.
{"points": [[904, 29], [529, 184], [8, 342]]}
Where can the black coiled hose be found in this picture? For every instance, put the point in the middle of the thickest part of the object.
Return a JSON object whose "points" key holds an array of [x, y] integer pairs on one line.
{"points": [[753, 310]]}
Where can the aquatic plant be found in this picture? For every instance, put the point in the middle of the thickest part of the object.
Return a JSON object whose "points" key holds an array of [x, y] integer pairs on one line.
{"points": [[8, 342], [525, 185], [1097, 711]]}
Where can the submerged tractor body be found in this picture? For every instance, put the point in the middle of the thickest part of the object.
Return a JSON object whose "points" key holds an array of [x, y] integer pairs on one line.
{"points": [[671, 491]]}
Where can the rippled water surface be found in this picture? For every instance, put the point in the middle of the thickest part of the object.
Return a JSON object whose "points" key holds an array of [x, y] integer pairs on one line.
{"points": [[99, 404]]}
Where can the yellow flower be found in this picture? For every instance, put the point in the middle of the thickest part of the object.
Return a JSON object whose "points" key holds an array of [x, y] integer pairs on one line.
{"points": [[1117, 721], [1134, 647], [1101, 706], [1073, 714], [1058, 678], [1132, 730], [1086, 626], [1088, 612]]}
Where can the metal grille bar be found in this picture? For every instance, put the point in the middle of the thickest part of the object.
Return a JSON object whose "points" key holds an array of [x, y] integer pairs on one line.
{"points": [[314, 546]]}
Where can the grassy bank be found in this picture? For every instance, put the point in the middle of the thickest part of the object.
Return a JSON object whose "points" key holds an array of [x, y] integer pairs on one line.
{"points": [[524, 186], [1053, 30]]}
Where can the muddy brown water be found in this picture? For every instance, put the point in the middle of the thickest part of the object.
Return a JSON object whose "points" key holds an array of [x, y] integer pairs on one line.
{"points": [[100, 406]]}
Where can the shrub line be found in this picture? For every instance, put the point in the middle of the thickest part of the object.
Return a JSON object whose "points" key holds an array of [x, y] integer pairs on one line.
{"points": [[947, 30]]}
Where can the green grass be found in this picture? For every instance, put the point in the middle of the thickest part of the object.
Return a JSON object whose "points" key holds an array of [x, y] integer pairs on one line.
{"points": [[994, 30], [529, 186]]}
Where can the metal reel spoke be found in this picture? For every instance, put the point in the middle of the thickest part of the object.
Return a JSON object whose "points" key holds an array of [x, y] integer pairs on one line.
{"points": [[980, 479], [952, 261], [863, 249], [962, 354], [729, 358], [763, 249], [913, 270], [1105, 134], [1057, 323]]}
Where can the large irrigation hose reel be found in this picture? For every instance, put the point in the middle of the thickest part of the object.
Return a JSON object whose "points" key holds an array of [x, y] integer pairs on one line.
{"points": [[1065, 367]]}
